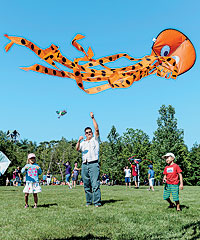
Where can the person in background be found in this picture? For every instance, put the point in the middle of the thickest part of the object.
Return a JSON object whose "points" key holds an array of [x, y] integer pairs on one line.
{"points": [[127, 176], [48, 177], [18, 177], [44, 179], [134, 174], [7, 181], [151, 174], [67, 173], [75, 173], [14, 177]]}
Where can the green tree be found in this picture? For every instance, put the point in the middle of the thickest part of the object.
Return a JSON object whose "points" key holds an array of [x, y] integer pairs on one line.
{"points": [[193, 177], [168, 138], [136, 142]]}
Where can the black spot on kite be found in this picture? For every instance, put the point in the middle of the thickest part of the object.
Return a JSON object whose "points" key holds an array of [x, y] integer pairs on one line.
{"points": [[127, 82], [116, 85], [46, 70], [123, 69], [54, 72], [63, 74], [32, 46], [52, 47], [125, 54], [82, 75], [103, 73], [123, 74], [132, 58], [39, 51], [77, 73], [92, 70], [92, 75], [140, 64], [169, 59], [82, 49], [90, 64], [99, 79], [101, 61], [83, 68], [73, 65], [148, 59], [110, 58], [117, 56], [89, 79], [64, 59], [174, 64], [51, 56], [80, 85], [53, 63], [133, 67], [134, 77], [23, 41], [173, 75], [38, 68]]}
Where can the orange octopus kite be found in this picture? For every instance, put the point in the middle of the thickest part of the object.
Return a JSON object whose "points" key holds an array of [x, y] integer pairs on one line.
{"points": [[172, 54]]}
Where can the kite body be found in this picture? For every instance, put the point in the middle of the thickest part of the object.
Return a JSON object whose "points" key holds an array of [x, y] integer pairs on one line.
{"points": [[61, 113], [4, 163], [172, 54]]}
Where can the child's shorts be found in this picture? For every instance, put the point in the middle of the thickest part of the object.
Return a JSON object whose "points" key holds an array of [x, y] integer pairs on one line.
{"points": [[151, 182], [134, 178], [32, 187], [127, 179], [171, 188], [67, 178]]}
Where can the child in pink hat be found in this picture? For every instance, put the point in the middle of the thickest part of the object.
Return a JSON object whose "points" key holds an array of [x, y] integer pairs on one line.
{"points": [[32, 171]]}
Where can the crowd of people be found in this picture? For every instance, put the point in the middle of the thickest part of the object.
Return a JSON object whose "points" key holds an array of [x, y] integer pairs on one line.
{"points": [[90, 173]]}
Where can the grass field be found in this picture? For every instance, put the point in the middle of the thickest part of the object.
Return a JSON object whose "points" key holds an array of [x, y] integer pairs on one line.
{"points": [[125, 214]]}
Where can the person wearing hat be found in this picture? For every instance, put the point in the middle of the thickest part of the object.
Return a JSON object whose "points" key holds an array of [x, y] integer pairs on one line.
{"points": [[32, 171], [151, 174], [172, 178]]}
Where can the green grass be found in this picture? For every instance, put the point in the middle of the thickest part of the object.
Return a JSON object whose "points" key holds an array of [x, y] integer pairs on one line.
{"points": [[125, 214]]}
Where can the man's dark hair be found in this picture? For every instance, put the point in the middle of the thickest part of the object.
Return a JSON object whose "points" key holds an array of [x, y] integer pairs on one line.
{"points": [[88, 128]]}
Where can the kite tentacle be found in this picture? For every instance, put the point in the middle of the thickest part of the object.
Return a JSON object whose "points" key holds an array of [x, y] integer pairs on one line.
{"points": [[41, 69]]}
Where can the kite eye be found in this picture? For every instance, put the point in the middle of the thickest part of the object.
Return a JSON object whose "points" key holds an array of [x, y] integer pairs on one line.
{"points": [[165, 51]]}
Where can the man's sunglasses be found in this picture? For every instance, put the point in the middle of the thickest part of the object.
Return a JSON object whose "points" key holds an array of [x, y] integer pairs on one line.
{"points": [[88, 132]]}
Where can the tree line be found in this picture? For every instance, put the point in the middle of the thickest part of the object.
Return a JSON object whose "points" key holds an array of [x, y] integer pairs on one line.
{"points": [[114, 152]]}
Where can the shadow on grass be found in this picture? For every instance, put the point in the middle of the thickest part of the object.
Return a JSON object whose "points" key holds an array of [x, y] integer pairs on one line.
{"points": [[9, 190], [87, 237], [195, 227], [47, 205], [190, 231], [183, 206], [109, 201]]}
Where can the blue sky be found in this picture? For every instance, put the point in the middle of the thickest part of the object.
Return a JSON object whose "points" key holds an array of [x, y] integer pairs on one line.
{"points": [[29, 100]]}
